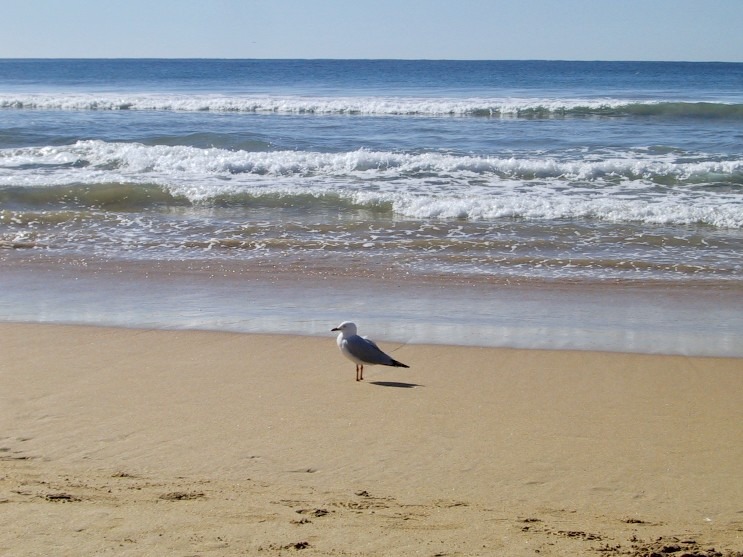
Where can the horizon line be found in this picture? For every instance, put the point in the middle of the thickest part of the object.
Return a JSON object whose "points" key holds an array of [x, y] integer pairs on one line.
{"points": [[331, 59]]}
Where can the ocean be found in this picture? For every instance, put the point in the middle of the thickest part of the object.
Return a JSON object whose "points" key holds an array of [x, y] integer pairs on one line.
{"points": [[588, 205]]}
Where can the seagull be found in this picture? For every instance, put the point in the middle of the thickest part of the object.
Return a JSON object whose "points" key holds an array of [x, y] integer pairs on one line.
{"points": [[361, 350]]}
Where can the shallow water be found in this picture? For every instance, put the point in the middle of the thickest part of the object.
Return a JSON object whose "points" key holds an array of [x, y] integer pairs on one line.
{"points": [[699, 321]]}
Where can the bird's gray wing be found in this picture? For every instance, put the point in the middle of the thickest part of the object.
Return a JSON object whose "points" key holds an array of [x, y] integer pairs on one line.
{"points": [[366, 351]]}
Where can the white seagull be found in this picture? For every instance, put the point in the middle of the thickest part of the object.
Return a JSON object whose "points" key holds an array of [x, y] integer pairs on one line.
{"points": [[361, 350]]}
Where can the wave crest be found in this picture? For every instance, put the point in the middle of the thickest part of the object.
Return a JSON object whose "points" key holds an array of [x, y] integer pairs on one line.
{"points": [[381, 106], [97, 156], [626, 186]]}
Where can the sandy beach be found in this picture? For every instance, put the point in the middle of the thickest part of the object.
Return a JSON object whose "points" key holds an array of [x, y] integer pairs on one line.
{"points": [[151, 442]]}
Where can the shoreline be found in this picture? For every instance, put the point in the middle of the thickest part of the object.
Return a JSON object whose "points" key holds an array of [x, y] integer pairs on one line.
{"points": [[215, 442], [687, 319]]}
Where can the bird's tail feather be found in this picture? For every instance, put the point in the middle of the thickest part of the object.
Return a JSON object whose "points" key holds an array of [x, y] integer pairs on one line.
{"points": [[395, 363]]}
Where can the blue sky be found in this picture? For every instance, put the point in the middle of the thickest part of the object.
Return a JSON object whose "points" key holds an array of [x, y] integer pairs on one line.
{"points": [[436, 29]]}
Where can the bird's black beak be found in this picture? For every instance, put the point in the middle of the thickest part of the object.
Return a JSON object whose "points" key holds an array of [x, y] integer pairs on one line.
{"points": [[334, 329]]}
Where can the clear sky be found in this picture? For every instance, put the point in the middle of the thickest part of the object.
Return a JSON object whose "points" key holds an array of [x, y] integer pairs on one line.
{"points": [[704, 30]]}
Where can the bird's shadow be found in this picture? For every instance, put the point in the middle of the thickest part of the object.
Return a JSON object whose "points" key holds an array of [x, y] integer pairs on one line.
{"points": [[395, 384]]}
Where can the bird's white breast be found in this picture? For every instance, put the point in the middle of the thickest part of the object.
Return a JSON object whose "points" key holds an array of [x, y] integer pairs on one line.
{"points": [[342, 344]]}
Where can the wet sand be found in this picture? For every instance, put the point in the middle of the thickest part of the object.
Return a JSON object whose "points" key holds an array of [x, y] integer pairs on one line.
{"points": [[141, 442]]}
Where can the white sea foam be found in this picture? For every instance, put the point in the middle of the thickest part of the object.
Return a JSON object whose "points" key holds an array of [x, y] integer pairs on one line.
{"points": [[621, 186], [364, 105], [558, 207], [504, 107], [138, 158]]}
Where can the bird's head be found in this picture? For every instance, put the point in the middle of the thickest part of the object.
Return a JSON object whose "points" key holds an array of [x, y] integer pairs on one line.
{"points": [[347, 328]]}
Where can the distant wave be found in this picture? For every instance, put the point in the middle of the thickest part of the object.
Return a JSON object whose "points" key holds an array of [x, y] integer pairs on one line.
{"points": [[390, 106]]}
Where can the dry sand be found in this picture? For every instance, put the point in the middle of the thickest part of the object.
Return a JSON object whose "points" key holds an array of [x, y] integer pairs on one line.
{"points": [[132, 442]]}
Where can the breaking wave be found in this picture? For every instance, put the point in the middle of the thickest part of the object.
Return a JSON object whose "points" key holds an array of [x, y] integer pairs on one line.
{"points": [[379, 106], [623, 186]]}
